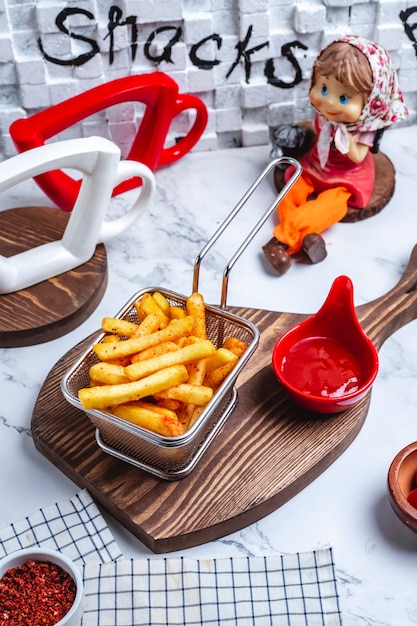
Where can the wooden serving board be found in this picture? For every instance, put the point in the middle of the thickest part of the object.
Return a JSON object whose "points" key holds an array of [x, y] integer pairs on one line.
{"points": [[53, 307], [268, 450]]}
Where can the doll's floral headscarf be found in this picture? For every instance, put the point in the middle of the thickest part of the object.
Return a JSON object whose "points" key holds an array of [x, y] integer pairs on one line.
{"points": [[385, 104]]}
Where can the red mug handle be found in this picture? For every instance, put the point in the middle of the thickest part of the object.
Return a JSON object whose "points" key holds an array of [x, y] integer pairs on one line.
{"points": [[157, 91], [186, 102]]}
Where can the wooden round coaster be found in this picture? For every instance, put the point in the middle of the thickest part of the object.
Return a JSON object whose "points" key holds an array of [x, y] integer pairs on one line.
{"points": [[382, 193], [53, 307]]}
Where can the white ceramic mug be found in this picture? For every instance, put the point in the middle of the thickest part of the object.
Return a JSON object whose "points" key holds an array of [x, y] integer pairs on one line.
{"points": [[98, 160]]}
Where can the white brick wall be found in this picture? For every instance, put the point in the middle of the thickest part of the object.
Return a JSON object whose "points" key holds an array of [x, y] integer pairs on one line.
{"points": [[241, 100]]}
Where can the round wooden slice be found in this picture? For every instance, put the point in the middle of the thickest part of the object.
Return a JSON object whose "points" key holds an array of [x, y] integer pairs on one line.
{"points": [[382, 193], [53, 307]]}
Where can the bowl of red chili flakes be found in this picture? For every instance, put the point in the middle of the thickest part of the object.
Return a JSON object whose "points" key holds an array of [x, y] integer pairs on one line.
{"points": [[40, 587]]}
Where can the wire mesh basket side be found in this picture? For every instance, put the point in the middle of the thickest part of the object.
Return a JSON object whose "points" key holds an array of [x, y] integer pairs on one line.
{"points": [[220, 325], [167, 463]]}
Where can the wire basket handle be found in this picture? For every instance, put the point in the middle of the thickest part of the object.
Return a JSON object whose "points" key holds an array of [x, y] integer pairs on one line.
{"points": [[197, 263]]}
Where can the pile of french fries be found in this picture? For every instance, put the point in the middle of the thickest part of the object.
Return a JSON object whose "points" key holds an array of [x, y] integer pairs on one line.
{"points": [[161, 372]]}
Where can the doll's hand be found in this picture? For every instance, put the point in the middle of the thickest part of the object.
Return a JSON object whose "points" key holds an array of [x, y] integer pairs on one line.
{"points": [[357, 151]]}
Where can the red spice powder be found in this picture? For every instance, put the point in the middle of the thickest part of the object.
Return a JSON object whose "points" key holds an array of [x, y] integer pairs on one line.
{"points": [[36, 593]]}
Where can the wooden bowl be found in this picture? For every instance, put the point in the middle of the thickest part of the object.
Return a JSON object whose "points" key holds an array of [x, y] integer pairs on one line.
{"points": [[401, 476]]}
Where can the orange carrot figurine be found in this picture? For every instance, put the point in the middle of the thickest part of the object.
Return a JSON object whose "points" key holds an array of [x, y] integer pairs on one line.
{"points": [[354, 92]]}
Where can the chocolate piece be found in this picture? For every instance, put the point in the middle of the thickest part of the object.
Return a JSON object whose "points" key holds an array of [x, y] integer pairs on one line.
{"points": [[314, 247], [276, 253]]}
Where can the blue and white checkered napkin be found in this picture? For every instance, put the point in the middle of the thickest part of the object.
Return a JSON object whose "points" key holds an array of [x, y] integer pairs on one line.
{"points": [[298, 589], [288, 590], [75, 527]]}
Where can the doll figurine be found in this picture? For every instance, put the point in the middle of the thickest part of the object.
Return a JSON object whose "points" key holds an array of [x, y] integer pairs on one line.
{"points": [[354, 92]]}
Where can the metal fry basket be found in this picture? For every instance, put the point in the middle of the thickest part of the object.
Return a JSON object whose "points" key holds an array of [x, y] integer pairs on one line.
{"points": [[172, 458]]}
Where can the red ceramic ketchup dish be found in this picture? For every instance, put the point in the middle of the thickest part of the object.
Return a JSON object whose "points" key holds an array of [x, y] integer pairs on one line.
{"points": [[327, 363]]}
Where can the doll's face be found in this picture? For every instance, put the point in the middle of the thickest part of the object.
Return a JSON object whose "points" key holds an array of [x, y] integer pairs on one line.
{"points": [[335, 101]]}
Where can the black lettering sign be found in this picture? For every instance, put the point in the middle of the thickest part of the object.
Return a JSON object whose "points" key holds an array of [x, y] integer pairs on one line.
{"points": [[244, 54], [115, 20], [286, 52], [166, 54], [205, 64], [409, 28], [60, 22], [196, 54]]}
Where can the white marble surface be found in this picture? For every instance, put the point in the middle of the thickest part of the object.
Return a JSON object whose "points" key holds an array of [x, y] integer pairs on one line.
{"points": [[347, 506]]}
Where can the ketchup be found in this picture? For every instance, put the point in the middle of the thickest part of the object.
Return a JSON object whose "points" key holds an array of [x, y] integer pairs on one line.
{"points": [[321, 366]]}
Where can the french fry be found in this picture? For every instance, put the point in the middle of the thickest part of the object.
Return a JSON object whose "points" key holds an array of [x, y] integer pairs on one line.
{"points": [[172, 405], [150, 406], [148, 305], [197, 371], [235, 345], [215, 378], [176, 312], [191, 394], [162, 302], [106, 396], [110, 338], [118, 326], [108, 373], [222, 357], [161, 348], [195, 307], [184, 355], [149, 324], [160, 421], [139, 313], [186, 341], [122, 361], [166, 358], [196, 375], [195, 414], [174, 330]]}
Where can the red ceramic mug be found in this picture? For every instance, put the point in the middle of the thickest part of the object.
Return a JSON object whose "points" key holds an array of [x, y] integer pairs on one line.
{"points": [[163, 103]]}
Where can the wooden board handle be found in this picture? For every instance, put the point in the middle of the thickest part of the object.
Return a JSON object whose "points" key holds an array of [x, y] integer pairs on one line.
{"points": [[385, 315]]}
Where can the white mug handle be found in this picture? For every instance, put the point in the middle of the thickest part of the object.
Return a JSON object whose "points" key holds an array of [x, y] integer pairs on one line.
{"points": [[129, 169]]}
